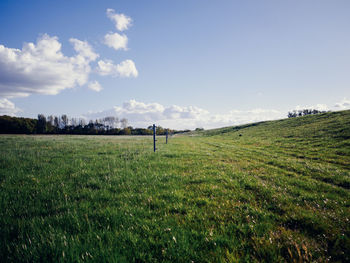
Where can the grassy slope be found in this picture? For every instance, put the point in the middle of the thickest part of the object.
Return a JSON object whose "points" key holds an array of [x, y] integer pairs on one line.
{"points": [[280, 191]]}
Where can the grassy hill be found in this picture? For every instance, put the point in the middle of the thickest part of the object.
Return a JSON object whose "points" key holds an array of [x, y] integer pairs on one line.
{"points": [[264, 192]]}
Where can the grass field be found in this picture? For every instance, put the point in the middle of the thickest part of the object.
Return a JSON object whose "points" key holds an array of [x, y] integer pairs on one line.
{"points": [[267, 192]]}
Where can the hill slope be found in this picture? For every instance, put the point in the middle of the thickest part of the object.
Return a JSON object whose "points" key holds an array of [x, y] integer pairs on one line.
{"points": [[323, 137], [330, 124], [279, 192]]}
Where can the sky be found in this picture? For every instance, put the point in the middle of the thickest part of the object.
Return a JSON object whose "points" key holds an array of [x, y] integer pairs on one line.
{"points": [[179, 64]]}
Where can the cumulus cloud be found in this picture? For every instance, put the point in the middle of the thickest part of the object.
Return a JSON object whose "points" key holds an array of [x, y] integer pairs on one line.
{"points": [[42, 68], [84, 49], [342, 105], [95, 86], [7, 107], [116, 41], [122, 22], [126, 68], [142, 114]]}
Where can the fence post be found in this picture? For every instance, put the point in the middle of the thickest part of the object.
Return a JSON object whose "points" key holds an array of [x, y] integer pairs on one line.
{"points": [[166, 136], [154, 138]]}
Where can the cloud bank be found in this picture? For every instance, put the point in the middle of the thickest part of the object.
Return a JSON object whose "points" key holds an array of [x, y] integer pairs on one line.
{"points": [[320, 107], [142, 114], [342, 105]]}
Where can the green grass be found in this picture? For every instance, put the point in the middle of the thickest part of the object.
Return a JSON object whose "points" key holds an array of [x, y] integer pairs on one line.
{"points": [[267, 192]]}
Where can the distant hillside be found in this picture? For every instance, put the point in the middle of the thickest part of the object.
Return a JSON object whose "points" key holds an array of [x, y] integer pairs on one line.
{"points": [[323, 137], [331, 125]]}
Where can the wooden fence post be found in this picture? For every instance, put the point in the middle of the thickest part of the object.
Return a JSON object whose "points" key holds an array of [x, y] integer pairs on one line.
{"points": [[154, 138]]}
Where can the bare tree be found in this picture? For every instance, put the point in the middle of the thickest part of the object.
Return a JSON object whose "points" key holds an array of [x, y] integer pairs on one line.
{"points": [[110, 121], [74, 122], [115, 123], [124, 123], [50, 120], [64, 119], [56, 122], [82, 122]]}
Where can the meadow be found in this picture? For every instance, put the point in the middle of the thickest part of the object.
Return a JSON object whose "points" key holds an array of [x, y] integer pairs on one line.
{"points": [[265, 192]]}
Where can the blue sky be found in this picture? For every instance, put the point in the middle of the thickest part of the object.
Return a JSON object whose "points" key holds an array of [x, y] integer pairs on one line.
{"points": [[188, 63]]}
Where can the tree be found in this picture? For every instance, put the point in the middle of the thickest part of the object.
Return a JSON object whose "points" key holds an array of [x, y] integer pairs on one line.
{"points": [[56, 122], [41, 124], [303, 112], [64, 122], [65, 125], [125, 131], [74, 122], [110, 122], [17, 125], [50, 119], [292, 114], [124, 123], [115, 122], [160, 130], [99, 125], [50, 124]]}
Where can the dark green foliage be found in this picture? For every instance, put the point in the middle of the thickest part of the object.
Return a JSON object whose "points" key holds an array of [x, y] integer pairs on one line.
{"points": [[41, 124], [62, 125], [13, 125]]}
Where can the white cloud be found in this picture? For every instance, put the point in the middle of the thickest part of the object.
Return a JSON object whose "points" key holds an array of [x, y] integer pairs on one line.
{"points": [[320, 107], [125, 68], [106, 67], [133, 106], [42, 68], [342, 105], [95, 86], [7, 107], [122, 22], [84, 49], [116, 41], [142, 114]]}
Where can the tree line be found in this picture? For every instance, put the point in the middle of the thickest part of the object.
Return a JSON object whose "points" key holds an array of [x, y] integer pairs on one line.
{"points": [[64, 125], [304, 112]]}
